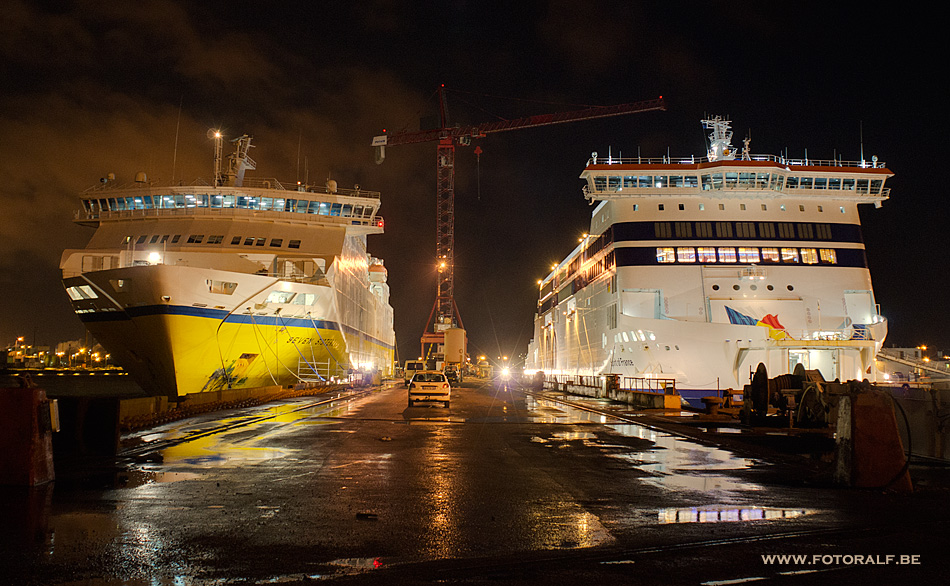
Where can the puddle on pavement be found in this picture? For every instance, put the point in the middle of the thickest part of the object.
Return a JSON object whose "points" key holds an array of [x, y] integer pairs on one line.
{"points": [[674, 463], [727, 514]]}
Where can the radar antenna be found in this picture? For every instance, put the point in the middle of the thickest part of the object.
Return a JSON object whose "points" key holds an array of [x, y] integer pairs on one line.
{"points": [[720, 139]]}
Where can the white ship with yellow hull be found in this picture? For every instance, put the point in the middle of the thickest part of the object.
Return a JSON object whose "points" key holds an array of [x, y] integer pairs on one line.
{"points": [[697, 269], [233, 284]]}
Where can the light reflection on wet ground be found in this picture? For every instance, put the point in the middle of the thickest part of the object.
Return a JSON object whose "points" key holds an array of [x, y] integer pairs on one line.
{"points": [[674, 463], [728, 514]]}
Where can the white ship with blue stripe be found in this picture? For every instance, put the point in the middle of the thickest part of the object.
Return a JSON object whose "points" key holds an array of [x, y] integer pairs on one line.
{"points": [[697, 269], [233, 283]]}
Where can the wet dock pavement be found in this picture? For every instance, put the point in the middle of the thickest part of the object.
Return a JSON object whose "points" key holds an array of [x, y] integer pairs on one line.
{"points": [[502, 487]]}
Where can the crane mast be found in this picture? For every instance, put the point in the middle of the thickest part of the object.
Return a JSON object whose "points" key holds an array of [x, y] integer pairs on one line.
{"points": [[444, 310]]}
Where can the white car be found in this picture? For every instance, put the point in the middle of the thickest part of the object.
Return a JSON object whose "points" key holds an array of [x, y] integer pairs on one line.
{"points": [[429, 386]]}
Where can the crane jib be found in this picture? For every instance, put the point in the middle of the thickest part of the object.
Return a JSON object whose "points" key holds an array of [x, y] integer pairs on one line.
{"points": [[527, 122]]}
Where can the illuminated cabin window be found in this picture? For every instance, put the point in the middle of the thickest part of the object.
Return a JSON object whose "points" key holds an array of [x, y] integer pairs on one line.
{"points": [[665, 255], [706, 254], [770, 255], [221, 287], [790, 255], [750, 255], [686, 254], [81, 292], [828, 255], [809, 256], [293, 244], [727, 254], [842, 209], [636, 207], [280, 296]]}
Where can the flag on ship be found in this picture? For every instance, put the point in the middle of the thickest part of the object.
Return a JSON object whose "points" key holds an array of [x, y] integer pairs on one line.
{"points": [[776, 329]]}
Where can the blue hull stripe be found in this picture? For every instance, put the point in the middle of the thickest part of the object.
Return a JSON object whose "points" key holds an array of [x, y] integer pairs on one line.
{"points": [[220, 314]]}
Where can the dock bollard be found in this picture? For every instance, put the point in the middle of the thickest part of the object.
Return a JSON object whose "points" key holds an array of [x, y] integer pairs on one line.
{"points": [[26, 444]]}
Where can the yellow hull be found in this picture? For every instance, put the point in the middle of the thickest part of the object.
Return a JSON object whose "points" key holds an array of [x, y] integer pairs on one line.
{"points": [[183, 353]]}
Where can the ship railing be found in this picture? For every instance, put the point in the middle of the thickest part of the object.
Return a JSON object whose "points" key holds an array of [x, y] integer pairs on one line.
{"points": [[248, 183], [660, 386], [311, 371], [778, 159]]}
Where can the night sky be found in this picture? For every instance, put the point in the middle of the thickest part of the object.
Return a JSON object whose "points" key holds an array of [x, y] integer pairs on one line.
{"points": [[91, 88]]}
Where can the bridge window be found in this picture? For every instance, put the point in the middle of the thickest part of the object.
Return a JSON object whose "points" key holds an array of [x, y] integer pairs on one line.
{"points": [[645, 181], [195, 238], [280, 296], [221, 287], [215, 239]]}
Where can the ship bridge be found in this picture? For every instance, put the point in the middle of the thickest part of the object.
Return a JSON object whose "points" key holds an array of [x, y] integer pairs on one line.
{"points": [[257, 198], [762, 175]]}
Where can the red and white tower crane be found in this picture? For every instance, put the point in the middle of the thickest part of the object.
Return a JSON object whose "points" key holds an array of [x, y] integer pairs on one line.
{"points": [[448, 137]]}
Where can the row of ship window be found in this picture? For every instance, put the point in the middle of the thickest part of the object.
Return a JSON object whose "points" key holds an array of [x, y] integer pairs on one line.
{"points": [[736, 180], [742, 207], [749, 255], [204, 200], [215, 239], [781, 230]]}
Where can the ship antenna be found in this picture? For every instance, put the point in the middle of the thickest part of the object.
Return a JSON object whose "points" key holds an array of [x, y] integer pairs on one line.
{"points": [[177, 127], [861, 136]]}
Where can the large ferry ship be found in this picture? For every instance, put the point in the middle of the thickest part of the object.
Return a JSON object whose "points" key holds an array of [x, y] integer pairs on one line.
{"points": [[696, 270], [234, 283]]}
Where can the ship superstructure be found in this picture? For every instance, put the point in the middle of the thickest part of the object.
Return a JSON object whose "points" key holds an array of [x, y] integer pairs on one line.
{"points": [[233, 282], [697, 269]]}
